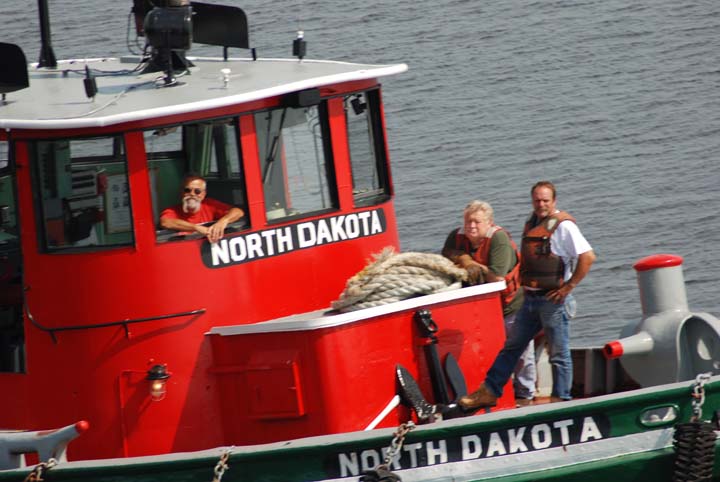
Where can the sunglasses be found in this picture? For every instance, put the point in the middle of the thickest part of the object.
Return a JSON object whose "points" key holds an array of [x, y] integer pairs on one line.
{"points": [[197, 190]]}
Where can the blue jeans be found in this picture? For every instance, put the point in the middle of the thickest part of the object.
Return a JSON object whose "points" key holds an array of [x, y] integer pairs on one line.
{"points": [[536, 314], [524, 374]]}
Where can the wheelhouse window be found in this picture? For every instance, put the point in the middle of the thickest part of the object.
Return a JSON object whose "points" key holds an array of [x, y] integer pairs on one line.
{"points": [[367, 148], [12, 337], [295, 162], [4, 155], [84, 199], [8, 204], [208, 149]]}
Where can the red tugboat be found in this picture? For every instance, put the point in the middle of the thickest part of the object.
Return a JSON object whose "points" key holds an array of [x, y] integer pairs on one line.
{"points": [[156, 350], [100, 305]]}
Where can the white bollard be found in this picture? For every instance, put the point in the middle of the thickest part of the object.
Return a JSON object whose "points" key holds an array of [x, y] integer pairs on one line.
{"points": [[649, 351], [661, 284]]}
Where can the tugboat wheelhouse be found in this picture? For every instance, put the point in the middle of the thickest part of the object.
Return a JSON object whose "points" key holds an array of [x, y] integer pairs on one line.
{"points": [[83, 199]]}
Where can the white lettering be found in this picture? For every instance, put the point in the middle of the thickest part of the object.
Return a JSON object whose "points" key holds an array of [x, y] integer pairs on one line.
{"points": [[364, 218], [338, 232], [323, 232], [269, 247], [590, 430], [564, 434], [219, 252], [370, 459], [254, 245], [495, 445], [260, 244], [376, 225], [412, 449], [306, 234], [515, 441], [433, 452], [284, 239], [541, 436], [471, 447], [348, 465], [237, 249], [352, 227]]}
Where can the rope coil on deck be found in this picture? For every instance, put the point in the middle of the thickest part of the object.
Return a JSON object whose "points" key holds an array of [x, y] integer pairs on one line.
{"points": [[394, 276]]}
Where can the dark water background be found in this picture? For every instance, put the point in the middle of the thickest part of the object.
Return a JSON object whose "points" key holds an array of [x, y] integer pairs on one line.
{"points": [[616, 102]]}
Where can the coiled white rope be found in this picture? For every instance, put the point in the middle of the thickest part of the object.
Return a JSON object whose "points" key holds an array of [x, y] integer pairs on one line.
{"points": [[394, 276]]}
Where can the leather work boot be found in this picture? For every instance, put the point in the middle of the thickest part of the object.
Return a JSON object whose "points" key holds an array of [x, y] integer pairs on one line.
{"points": [[524, 402], [557, 399], [482, 397]]}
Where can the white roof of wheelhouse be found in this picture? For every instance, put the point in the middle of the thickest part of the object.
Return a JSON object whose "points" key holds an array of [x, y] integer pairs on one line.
{"points": [[56, 97]]}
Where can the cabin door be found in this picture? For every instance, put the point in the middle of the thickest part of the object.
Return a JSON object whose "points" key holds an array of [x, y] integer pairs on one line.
{"points": [[12, 339]]}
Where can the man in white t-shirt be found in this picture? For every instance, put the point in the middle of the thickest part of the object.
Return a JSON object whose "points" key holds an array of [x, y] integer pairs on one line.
{"points": [[555, 258]]}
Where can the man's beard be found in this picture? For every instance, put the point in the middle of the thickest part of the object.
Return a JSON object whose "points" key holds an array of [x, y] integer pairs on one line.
{"points": [[191, 204]]}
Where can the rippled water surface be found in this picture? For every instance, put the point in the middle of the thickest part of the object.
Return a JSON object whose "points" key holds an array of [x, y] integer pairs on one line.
{"points": [[616, 102]]}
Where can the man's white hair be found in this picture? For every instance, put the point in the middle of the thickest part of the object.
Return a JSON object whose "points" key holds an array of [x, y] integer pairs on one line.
{"points": [[479, 206]]}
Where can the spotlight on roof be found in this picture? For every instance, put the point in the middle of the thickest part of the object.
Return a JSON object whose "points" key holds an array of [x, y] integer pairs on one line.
{"points": [[168, 29]]}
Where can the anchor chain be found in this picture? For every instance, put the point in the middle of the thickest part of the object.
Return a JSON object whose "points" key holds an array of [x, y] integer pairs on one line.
{"points": [[39, 470], [398, 441], [698, 395], [694, 441], [382, 472], [222, 465]]}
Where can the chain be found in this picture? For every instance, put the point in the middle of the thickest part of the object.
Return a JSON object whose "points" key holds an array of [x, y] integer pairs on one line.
{"points": [[36, 474], [698, 395], [222, 465], [397, 441]]}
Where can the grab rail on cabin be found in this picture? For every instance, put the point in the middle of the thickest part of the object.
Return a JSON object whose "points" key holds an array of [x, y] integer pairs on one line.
{"points": [[123, 323], [164, 235]]}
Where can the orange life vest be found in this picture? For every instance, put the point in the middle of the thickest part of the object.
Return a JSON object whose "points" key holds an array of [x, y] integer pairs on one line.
{"points": [[481, 254], [540, 267]]}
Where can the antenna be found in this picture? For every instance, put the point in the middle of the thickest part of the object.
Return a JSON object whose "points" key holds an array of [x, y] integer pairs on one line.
{"points": [[299, 44], [47, 56]]}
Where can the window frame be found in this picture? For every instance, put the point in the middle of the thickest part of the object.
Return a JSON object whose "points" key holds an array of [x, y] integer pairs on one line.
{"points": [[381, 162], [162, 236], [328, 170], [39, 202]]}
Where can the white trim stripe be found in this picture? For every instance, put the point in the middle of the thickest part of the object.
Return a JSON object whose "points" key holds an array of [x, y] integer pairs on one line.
{"points": [[315, 319]]}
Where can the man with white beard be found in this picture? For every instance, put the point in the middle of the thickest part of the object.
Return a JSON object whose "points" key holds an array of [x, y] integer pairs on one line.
{"points": [[197, 209]]}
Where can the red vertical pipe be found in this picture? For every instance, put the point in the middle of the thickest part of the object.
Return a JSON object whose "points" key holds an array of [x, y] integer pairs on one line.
{"points": [[253, 176], [341, 152]]}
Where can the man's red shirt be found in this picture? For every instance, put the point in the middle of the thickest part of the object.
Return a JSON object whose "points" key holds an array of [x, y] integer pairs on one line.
{"points": [[210, 210]]}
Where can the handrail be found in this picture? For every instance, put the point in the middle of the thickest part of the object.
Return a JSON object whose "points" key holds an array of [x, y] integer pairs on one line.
{"points": [[124, 323]]}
